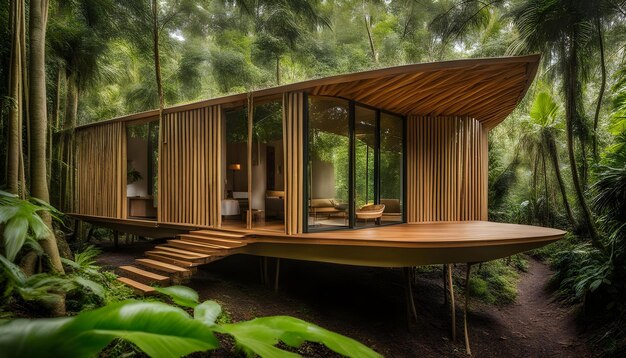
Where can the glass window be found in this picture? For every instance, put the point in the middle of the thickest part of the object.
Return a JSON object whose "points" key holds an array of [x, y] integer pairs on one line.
{"points": [[235, 203], [391, 166], [328, 163], [268, 190], [364, 152]]}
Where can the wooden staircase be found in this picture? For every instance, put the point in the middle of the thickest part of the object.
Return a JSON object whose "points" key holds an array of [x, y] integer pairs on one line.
{"points": [[175, 261]]}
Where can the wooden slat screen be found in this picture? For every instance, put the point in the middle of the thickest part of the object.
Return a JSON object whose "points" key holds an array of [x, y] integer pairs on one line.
{"points": [[447, 163], [100, 181], [293, 111], [190, 189]]}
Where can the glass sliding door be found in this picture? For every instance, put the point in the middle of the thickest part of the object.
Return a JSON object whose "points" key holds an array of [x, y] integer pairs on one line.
{"points": [[355, 165], [364, 167], [268, 191], [328, 163], [235, 202], [391, 167], [142, 156]]}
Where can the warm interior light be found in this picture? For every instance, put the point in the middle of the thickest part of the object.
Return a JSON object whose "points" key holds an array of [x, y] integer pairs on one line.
{"points": [[235, 166]]}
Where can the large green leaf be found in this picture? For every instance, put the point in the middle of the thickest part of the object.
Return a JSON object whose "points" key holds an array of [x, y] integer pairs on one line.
{"points": [[260, 335], [20, 216], [14, 236], [207, 312], [181, 295], [156, 328]]}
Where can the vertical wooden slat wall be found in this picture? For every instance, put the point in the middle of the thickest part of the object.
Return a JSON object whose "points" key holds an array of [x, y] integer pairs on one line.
{"points": [[100, 181], [191, 168], [447, 164], [293, 112]]}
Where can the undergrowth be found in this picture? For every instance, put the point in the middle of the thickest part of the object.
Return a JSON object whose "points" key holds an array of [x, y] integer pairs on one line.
{"points": [[495, 282]]}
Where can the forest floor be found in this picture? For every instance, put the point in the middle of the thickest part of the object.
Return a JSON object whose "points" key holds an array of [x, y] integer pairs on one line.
{"points": [[368, 304]]}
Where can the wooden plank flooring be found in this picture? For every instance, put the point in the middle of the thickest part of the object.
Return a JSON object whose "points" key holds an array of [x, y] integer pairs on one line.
{"points": [[389, 246]]}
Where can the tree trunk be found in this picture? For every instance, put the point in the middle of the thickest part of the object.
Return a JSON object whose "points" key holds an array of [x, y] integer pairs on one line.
{"points": [[157, 59], [369, 36], [545, 186], [570, 82], [277, 70], [554, 158], [71, 113], [38, 118], [25, 169], [15, 92], [601, 93]]}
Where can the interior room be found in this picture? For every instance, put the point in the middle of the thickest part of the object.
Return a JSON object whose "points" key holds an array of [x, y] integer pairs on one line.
{"points": [[141, 166], [355, 165], [263, 206], [235, 201]]}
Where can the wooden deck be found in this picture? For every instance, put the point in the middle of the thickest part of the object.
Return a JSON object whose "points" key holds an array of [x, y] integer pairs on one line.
{"points": [[401, 245], [406, 245]]}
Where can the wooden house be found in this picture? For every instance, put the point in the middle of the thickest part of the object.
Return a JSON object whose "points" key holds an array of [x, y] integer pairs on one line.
{"points": [[386, 168]]}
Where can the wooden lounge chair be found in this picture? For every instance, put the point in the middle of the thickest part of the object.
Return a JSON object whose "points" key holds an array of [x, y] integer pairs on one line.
{"points": [[371, 211]]}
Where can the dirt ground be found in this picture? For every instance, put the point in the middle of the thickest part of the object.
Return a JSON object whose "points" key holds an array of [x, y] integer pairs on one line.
{"points": [[368, 304]]}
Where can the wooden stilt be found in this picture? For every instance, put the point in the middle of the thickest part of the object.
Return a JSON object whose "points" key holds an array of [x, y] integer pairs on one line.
{"points": [[276, 277], [445, 284], [262, 270], [452, 305], [89, 233], [467, 294], [76, 233], [411, 311], [265, 274], [116, 238]]}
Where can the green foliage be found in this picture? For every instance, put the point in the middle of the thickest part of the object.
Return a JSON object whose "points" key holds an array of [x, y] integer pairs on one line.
{"points": [[495, 281], [260, 335], [22, 222], [158, 329], [161, 330]]}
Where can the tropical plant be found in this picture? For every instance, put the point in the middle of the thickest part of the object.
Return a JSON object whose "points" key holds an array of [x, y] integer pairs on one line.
{"points": [[539, 141], [162, 330], [22, 223]]}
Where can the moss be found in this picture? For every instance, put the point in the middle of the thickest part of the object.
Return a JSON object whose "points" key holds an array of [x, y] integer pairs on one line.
{"points": [[495, 282]]}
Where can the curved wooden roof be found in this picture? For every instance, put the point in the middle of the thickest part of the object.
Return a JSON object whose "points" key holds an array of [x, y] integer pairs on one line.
{"points": [[487, 89]]}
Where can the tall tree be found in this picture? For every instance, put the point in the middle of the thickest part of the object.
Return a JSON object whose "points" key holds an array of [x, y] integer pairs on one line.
{"points": [[561, 30], [14, 147], [38, 117]]}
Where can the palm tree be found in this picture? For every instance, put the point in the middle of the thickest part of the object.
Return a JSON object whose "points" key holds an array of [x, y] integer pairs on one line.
{"points": [[543, 130], [562, 30], [281, 25]]}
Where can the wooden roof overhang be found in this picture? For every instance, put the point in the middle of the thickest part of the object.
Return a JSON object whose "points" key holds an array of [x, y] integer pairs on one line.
{"points": [[486, 89]]}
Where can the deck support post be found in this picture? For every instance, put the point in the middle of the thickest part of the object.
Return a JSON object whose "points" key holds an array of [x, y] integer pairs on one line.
{"points": [[264, 271], [410, 302], [450, 289], [276, 276], [445, 284], [467, 294], [116, 238]]}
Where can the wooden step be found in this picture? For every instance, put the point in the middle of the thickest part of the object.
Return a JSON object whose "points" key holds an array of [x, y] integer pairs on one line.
{"points": [[159, 256], [178, 256], [145, 276], [220, 233], [197, 247], [196, 255], [165, 267], [225, 243], [207, 242], [138, 287]]}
